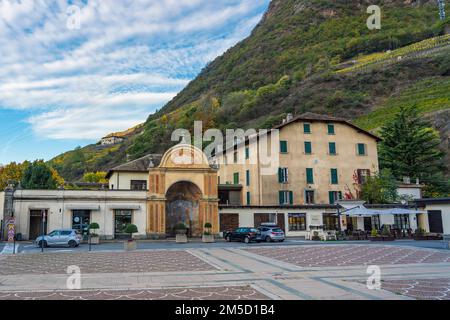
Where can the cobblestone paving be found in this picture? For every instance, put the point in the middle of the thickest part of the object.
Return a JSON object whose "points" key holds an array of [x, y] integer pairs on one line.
{"points": [[212, 293], [105, 262], [430, 289], [351, 255]]}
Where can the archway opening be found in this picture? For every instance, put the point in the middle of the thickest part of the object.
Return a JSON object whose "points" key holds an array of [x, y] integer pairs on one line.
{"points": [[182, 206]]}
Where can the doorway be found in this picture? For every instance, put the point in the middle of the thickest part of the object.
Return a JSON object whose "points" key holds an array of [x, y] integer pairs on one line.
{"points": [[80, 221], [36, 224], [122, 218], [435, 221]]}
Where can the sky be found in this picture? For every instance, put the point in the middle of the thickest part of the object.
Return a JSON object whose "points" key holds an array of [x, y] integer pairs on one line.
{"points": [[72, 72]]}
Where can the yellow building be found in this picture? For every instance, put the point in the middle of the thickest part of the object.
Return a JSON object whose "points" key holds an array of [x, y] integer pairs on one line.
{"points": [[320, 159]]}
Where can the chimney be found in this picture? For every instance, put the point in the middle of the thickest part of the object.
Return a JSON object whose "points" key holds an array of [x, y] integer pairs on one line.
{"points": [[289, 117]]}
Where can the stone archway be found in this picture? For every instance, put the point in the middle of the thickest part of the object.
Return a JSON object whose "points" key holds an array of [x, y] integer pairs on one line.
{"points": [[182, 206]]}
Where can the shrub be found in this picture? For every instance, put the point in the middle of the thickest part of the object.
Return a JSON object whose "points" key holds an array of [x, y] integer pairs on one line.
{"points": [[374, 233], [386, 232], [131, 228], [180, 226], [94, 226]]}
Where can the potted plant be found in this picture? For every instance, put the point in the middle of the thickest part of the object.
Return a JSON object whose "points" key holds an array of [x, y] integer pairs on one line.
{"points": [[130, 244], [94, 237], [208, 237], [375, 235], [386, 234], [180, 230]]}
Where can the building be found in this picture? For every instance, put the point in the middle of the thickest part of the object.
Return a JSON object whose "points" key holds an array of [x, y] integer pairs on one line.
{"points": [[437, 216], [320, 159], [111, 140]]}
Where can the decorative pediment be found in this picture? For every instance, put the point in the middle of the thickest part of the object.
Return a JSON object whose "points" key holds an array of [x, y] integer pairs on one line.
{"points": [[184, 156]]}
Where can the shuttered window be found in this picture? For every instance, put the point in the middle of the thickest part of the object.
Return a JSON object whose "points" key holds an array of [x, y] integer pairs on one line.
{"points": [[283, 146], [309, 175], [247, 177], [308, 147], [361, 149], [248, 198], [334, 176], [331, 129], [236, 178], [332, 148], [307, 128], [283, 175], [286, 197]]}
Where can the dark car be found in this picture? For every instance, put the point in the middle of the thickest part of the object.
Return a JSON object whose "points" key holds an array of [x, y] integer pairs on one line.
{"points": [[246, 235]]}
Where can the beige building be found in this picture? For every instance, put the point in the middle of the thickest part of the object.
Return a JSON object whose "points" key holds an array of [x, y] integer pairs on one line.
{"points": [[320, 158]]}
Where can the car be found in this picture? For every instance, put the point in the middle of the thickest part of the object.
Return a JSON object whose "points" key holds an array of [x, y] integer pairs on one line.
{"points": [[244, 234], [271, 233], [59, 237]]}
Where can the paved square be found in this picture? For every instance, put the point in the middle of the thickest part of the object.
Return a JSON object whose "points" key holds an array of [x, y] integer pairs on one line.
{"points": [[206, 293], [428, 289], [103, 262], [351, 255]]}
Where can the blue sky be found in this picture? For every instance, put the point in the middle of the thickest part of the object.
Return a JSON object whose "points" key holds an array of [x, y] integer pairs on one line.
{"points": [[62, 86]]}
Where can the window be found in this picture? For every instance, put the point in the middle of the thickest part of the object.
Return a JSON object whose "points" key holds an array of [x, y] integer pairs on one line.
{"points": [[247, 177], [308, 147], [235, 157], [236, 178], [361, 149], [401, 221], [309, 196], [138, 185], [81, 220], [331, 129], [307, 128], [122, 218], [247, 153], [309, 175], [297, 221], [334, 196], [334, 176], [283, 175], [332, 148], [286, 197], [330, 221], [248, 198], [363, 174], [283, 147]]}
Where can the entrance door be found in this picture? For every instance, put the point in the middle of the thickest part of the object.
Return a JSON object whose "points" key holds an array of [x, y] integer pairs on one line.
{"points": [[367, 223], [260, 218], [229, 221], [280, 222], [81, 220], [435, 221], [122, 218], [36, 224]]}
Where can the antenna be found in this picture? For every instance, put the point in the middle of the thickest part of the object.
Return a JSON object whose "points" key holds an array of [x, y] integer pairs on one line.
{"points": [[441, 9]]}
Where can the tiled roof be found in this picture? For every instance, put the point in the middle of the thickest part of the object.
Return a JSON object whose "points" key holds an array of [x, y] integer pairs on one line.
{"points": [[139, 165]]}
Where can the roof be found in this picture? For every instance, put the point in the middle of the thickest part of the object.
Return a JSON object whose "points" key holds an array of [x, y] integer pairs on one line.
{"points": [[139, 165], [432, 201], [315, 117]]}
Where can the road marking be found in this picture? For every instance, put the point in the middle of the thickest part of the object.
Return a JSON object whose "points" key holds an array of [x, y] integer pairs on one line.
{"points": [[9, 248]]}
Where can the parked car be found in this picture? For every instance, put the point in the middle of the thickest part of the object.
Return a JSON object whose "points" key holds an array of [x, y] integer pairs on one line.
{"points": [[60, 237], [246, 235], [271, 233]]}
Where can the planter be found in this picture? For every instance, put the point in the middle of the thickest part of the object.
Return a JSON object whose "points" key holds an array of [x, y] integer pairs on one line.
{"points": [[208, 238], [181, 231], [181, 238], [95, 240], [419, 238], [130, 245]]}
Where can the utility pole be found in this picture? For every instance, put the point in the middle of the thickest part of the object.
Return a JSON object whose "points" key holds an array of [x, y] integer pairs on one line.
{"points": [[441, 9]]}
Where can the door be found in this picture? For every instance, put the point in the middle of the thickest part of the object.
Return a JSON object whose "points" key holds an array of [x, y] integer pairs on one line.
{"points": [[435, 221], [280, 222], [229, 221], [122, 219], [80, 221], [367, 223], [36, 224]]}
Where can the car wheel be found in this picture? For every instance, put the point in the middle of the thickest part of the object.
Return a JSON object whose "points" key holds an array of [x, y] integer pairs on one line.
{"points": [[228, 239], [43, 244], [247, 240], [72, 243], [268, 239]]}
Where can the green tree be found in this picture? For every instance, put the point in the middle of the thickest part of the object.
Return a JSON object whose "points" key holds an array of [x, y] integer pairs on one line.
{"points": [[38, 175], [410, 148], [95, 177], [380, 188], [11, 172]]}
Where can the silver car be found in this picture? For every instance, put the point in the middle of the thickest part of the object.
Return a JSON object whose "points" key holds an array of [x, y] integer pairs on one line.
{"points": [[271, 233], [60, 237]]}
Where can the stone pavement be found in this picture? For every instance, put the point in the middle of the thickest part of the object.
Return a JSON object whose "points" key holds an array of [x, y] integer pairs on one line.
{"points": [[294, 272]]}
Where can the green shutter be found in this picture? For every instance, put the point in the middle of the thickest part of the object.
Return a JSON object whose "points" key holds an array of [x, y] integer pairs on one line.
{"points": [[236, 178], [247, 177], [309, 175], [332, 147], [281, 197], [331, 197], [291, 197], [331, 129], [247, 153], [248, 198], [280, 175], [334, 176], [306, 128], [361, 149], [308, 147], [283, 147]]}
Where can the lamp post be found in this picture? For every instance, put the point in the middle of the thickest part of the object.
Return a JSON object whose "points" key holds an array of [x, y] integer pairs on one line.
{"points": [[43, 231]]}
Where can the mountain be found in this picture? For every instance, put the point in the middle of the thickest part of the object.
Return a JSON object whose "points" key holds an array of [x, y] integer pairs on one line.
{"points": [[316, 55]]}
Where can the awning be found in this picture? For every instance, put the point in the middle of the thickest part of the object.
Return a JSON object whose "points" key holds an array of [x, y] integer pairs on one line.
{"points": [[399, 211], [357, 209]]}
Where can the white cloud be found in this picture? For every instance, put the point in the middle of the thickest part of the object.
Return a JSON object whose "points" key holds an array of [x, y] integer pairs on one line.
{"points": [[128, 58]]}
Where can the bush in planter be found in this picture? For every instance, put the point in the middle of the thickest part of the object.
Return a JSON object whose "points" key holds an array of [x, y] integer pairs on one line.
{"points": [[130, 229], [93, 226], [208, 227], [180, 228], [386, 232], [374, 233]]}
